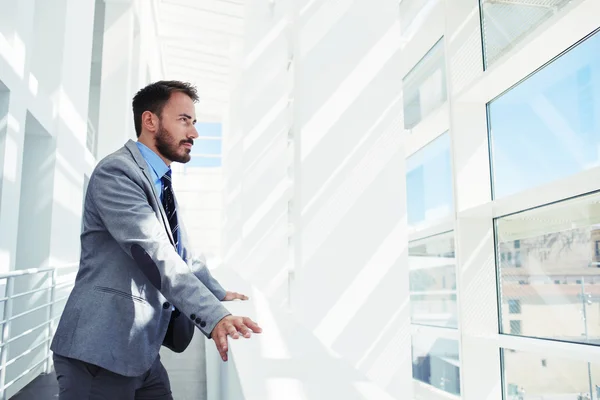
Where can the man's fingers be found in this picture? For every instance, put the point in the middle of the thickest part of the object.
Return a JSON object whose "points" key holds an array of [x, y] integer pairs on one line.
{"points": [[221, 342], [252, 325], [232, 331], [243, 329], [240, 296], [233, 326]]}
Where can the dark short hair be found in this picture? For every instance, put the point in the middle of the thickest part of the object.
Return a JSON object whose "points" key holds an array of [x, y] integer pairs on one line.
{"points": [[154, 97]]}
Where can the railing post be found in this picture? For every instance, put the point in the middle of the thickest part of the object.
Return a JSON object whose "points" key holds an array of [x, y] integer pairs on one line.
{"points": [[10, 287], [50, 329]]}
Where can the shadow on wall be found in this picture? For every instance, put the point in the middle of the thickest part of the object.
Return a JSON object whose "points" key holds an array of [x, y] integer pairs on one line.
{"points": [[352, 287], [258, 210]]}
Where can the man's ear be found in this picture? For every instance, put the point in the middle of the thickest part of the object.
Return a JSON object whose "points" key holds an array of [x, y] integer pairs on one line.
{"points": [[149, 121]]}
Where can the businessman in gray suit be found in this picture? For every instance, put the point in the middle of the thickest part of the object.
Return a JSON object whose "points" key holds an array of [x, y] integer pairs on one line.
{"points": [[138, 286]]}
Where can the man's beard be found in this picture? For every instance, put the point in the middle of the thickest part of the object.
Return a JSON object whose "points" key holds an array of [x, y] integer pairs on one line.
{"points": [[169, 148]]}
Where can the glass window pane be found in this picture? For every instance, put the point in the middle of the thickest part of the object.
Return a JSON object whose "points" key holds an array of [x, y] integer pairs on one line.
{"points": [[429, 184], [436, 362], [555, 291], [206, 146], [425, 86], [548, 126], [506, 23], [203, 162], [537, 376], [210, 129], [432, 267]]}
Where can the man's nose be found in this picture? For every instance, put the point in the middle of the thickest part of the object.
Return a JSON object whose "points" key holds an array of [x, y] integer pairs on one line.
{"points": [[193, 133]]}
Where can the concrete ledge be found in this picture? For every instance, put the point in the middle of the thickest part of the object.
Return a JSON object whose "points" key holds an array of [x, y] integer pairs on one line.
{"points": [[286, 361]]}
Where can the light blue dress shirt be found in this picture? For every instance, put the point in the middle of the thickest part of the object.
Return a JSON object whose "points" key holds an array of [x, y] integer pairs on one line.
{"points": [[158, 169]]}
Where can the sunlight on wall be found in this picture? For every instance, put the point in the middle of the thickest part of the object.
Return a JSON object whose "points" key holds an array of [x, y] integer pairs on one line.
{"points": [[277, 193], [319, 25], [12, 152], [285, 388], [336, 173], [358, 292], [264, 44], [14, 54], [315, 129], [277, 349]]}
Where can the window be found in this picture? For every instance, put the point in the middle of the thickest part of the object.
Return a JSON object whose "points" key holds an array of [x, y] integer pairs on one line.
{"points": [[429, 184], [436, 362], [518, 263], [514, 307], [534, 376], [558, 239], [425, 86], [207, 149], [432, 268], [506, 23], [597, 248], [546, 127], [515, 327]]}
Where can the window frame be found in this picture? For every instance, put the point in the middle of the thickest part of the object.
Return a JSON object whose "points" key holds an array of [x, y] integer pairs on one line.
{"points": [[481, 342]]}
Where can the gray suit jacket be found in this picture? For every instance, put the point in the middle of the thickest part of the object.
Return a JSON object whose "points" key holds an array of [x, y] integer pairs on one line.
{"points": [[129, 275]]}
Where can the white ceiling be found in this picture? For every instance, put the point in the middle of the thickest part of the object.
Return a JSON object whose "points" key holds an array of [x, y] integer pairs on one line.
{"points": [[196, 37]]}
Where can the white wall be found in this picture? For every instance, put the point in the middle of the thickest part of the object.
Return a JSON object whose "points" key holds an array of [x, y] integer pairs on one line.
{"points": [[254, 154], [351, 287], [335, 189]]}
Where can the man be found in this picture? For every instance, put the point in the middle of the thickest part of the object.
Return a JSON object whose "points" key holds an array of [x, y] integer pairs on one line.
{"points": [[138, 287]]}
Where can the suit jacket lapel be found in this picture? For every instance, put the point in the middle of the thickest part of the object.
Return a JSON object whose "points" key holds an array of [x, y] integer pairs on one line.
{"points": [[141, 162]]}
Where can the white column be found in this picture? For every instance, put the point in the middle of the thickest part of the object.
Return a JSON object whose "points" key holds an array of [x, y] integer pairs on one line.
{"points": [[73, 160], [15, 37], [476, 270], [116, 121], [12, 135]]}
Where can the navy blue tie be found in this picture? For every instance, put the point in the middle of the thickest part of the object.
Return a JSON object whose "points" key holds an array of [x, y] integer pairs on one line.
{"points": [[168, 201]]}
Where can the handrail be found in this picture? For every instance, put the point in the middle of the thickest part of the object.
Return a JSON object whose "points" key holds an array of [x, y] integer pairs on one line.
{"points": [[33, 271], [254, 366], [6, 338]]}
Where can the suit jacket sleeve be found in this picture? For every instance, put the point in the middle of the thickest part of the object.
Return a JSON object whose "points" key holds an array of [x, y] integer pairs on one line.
{"points": [[181, 329], [119, 197], [197, 263], [198, 266]]}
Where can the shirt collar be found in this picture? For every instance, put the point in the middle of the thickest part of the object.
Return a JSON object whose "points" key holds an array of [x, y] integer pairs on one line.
{"points": [[153, 160]]}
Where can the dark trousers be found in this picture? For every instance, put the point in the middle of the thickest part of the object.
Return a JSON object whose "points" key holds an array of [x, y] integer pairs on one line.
{"points": [[79, 380]]}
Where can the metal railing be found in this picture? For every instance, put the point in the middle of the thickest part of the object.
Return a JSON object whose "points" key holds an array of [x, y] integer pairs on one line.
{"points": [[6, 338]]}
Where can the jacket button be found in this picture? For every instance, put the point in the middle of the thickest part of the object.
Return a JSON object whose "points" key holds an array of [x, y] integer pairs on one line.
{"points": [[198, 320], [202, 324], [193, 316], [166, 305]]}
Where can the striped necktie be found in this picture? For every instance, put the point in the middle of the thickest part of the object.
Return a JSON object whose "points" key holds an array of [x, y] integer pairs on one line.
{"points": [[168, 202]]}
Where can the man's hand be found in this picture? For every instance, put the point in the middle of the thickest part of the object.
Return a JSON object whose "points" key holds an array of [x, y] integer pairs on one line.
{"points": [[229, 296], [232, 326]]}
